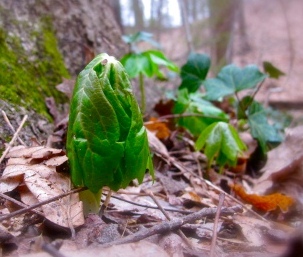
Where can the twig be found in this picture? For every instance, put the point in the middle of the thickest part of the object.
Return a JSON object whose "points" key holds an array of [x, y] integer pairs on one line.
{"points": [[181, 167], [10, 144], [11, 126], [179, 116], [168, 226], [30, 208], [105, 204], [150, 206], [214, 239], [186, 26], [6, 197], [180, 233]]}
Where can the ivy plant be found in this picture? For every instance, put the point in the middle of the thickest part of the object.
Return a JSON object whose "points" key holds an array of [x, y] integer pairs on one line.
{"points": [[219, 139], [222, 141]]}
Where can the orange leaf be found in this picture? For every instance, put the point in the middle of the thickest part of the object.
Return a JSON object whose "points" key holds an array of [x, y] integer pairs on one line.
{"points": [[265, 202], [161, 129]]}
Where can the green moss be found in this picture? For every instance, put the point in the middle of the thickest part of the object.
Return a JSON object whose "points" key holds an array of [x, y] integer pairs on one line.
{"points": [[26, 76]]}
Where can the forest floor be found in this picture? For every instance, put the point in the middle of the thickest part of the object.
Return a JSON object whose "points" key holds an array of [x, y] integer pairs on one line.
{"points": [[181, 213]]}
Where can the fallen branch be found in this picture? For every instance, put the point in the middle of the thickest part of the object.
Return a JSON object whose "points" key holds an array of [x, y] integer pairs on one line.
{"points": [[214, 239], [168, 226], [34, 206], [10, 144], [11, 127], [6, 197]]}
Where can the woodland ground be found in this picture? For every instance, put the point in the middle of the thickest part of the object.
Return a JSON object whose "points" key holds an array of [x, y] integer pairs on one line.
{"points": [[274, 31]]}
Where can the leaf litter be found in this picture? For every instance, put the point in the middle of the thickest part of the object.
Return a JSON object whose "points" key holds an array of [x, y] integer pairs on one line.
{"points": [[38, 173], [35, 169]]}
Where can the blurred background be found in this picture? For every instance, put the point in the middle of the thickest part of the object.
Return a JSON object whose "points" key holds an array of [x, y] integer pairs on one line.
{"points": [[232, 31]]}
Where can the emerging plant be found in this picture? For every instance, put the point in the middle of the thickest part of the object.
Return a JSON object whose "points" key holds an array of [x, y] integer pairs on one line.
{"points": [[106, 141], [220, 140], [146, 63]]}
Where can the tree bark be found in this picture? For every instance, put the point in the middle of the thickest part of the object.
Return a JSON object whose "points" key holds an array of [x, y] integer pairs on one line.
{"points": [[138, 14], [38, 40], [222, 16]]}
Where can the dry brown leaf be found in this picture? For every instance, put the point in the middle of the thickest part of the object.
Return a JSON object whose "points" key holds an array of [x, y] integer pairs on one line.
{"points": [[266, 202], [284, 159], [283, 171], [35, 167], [157, 146], [67, 87], [158, 127]]}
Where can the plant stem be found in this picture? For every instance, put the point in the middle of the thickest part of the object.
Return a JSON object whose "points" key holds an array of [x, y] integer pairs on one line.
{"points": [[142, 91]]}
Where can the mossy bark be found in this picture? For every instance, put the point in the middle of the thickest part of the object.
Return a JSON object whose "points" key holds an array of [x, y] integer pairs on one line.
{"points": [[26, 78], [42, 42]]}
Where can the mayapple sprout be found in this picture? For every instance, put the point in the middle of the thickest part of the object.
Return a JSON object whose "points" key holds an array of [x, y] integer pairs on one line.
{"points": [[107, 142]]}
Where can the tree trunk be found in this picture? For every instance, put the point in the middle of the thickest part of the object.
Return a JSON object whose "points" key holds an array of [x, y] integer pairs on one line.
{"points": [[116, 7], [138, 14], [222, 15], [38, 40]]}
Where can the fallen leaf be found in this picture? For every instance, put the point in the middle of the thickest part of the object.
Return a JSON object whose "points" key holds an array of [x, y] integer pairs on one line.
{"points": [[283, 171], [266, 202], [35, 167], [157, 146], [67, 87], [158, 127]]}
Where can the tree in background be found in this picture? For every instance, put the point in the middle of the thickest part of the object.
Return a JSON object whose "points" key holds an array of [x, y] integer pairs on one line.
{"points": [[137, 7], [116, 7], [221, 21], [223, 15]]}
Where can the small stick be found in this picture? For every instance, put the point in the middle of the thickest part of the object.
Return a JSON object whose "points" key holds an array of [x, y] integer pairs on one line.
{"points": [[11, 126], [150, 206], [183, 169], [180, 233], [30, 208], [213, 241], [10, 144], [105, 204], [168, 226], [6, 197]]}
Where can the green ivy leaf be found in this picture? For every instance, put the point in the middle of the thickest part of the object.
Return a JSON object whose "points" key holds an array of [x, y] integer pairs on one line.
{"points": [[260, 128], [232, 79], [106, 141], [194, 72], [203, 112], [272, 70], [221, 141]]}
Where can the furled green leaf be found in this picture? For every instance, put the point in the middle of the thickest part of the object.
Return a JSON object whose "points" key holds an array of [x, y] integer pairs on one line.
{"points": [[232, 79], [140, 36], [136, 63], [272, 70], [148, 63], [221, 141], [198, 113], [194, 72], [159, 58], [106, 141], [260, 128]]}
